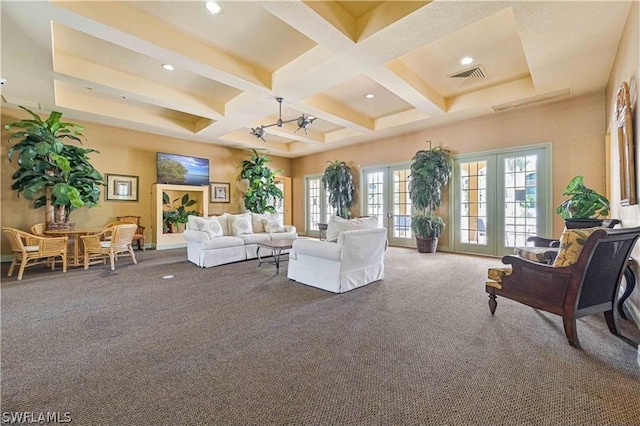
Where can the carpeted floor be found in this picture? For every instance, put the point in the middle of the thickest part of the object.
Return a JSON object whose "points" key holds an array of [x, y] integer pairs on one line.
{"points": [[237, 345]]}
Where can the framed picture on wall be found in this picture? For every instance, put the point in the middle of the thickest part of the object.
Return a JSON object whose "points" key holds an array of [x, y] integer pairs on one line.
{"points": [[121, 188], [220, 192], [626, 147]]}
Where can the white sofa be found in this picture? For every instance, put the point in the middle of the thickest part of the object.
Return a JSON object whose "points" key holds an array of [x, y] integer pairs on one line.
{"points": [[216, 240], [354, 260]]}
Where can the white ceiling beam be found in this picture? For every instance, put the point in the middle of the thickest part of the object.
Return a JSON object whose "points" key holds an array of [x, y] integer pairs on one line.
{"points": [[135, 87]]}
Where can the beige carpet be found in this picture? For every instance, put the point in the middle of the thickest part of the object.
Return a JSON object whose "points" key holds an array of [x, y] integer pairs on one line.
{"points": [[237, 345]]}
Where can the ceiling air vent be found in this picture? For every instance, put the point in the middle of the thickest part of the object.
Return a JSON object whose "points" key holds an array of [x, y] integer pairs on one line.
{"points": [[545, 97], [468, 76]]}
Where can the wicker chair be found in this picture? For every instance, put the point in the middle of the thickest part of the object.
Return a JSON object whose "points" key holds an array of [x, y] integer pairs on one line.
{"points": [[96, 247], [29, 250], [139, 235], [583, 280]]}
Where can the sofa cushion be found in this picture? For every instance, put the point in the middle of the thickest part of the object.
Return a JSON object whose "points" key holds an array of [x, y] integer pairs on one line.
{"points": [[571, 243], [210, 225], [241, 224], [337, 224], [273, 225], [254, 238], [222, 242], [288, 235]]}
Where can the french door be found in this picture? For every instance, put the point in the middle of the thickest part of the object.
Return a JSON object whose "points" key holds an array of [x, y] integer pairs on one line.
{"points": [[500, 199], [318, 209], [386, 195]]}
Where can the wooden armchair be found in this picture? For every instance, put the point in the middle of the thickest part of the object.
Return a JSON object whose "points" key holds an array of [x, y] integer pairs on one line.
{"points": [[583, 280], [139, 235], [96, 247], [545, 250], [29, 250]]}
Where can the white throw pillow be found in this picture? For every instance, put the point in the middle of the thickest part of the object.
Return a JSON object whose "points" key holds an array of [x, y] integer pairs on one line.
{"points": [[224, 222], [210, 225], [256, 221], [273, 225], [191, 223], [241, 224], [337, 224]]}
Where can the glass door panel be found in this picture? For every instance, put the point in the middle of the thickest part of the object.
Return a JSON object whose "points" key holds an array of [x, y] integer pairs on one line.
{"points": [[500, 200], [387, 197], [471, 222]]}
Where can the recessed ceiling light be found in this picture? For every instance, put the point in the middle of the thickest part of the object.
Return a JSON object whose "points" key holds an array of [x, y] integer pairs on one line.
{"points": [[212, 7], [167, 67], [466, 60], [369, 96]]}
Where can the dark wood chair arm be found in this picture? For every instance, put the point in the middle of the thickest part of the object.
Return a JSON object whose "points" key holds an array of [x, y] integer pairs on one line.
{"points": [[542, 242]]}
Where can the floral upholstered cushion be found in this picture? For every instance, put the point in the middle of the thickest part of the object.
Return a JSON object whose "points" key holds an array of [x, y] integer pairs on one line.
{"points": [[571, 243], [496, 275], [536, 254], [241, 224]]}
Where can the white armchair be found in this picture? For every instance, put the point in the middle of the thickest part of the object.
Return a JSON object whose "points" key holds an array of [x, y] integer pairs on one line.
{"points": [[356, 259]]}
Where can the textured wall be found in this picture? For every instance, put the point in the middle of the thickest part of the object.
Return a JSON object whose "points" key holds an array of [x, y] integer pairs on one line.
{"points": [[626, 68], [575, 127], [124, 152]]}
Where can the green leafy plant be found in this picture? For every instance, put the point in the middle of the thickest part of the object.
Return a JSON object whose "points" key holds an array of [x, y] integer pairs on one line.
{"points": [[428, 226], [584, 203], [51, 172], [338, 181], [177, 213], [430, 172], [262, 191]]}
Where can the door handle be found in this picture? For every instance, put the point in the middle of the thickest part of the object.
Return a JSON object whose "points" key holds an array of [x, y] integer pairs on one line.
{"points": [[389, 215]]}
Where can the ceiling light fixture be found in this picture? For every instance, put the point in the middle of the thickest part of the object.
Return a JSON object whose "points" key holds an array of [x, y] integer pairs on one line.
{"points": [[167, 67], [467, 60], [369, 96], [212, 7], [303, 122]]}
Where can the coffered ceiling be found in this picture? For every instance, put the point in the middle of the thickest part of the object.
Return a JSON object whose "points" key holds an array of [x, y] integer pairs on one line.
{"points": [[101, 61]]}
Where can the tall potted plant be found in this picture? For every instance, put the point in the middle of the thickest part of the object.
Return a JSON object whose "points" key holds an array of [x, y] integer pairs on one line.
{"points": [[261, 192], [583, 207], [430, 172], [338, 181], [51, 173]]}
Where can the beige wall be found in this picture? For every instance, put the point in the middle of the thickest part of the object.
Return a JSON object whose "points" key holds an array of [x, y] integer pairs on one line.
{"points": [[626, 68], [575, 127], [124, 152]]}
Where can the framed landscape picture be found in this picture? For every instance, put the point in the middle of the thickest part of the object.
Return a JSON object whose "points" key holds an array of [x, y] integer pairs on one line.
{"points": [[220, 192], [122, 188]]}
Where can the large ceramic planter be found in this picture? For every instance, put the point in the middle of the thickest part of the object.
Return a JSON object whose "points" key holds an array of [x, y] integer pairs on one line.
{"points": [[426, 245]]}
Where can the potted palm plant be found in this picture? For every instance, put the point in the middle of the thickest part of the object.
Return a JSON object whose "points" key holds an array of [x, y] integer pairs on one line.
{"points": [[51, 173], [176, 216], [338, 181], [261, 192], [430, 172], [584, 206]]}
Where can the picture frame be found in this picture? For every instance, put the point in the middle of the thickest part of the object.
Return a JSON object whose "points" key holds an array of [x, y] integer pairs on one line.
{"points": [[121, 188], [220, 192], [626, 147]]}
